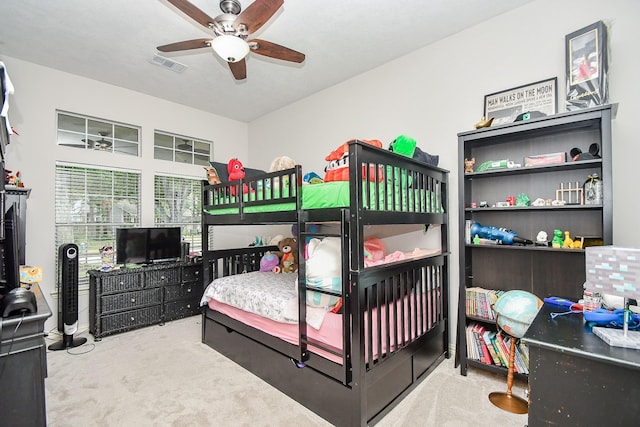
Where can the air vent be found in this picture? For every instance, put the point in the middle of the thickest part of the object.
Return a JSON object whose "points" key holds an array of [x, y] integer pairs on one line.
{"points": [[168, 63]]}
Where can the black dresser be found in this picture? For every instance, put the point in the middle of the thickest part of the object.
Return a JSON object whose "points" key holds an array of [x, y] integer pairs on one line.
{"points": [[576, 378], [130, 298]]}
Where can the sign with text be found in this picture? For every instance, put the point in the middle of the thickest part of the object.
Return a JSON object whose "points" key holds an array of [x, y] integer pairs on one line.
{"points": [[506, 105]]}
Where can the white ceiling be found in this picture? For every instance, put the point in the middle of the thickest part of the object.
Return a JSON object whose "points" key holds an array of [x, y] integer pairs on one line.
{"points": [[113, 41]]}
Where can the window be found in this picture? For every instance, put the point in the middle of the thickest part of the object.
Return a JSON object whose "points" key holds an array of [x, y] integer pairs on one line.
{"points": [[90, 204], [178, 203], [78, 131], [181, 149]]}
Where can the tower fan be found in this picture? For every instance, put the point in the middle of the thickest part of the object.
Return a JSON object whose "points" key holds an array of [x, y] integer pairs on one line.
{"points": [[68, 297]]}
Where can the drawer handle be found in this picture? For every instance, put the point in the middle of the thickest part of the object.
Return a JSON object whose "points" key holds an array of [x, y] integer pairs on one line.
{"points": [[121, 283], [197, 273], [189, 306], [133, 319], [161, 277], [133, 300], [189, 290]]}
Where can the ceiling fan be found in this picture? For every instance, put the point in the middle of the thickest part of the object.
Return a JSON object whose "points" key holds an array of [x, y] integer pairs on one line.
{"points": [[102, 144], [231, 30]]}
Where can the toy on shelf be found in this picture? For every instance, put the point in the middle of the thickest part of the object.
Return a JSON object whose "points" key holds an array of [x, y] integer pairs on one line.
{"points": [[574, 195], [542, 239], [557, 240], [522, 200], [568, 241], [483, 123], [468, 165], [13, 179], [501, 235]]}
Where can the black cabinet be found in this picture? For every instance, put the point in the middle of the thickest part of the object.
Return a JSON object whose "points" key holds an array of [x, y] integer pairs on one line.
{"points": [[23, 366], [130, 298], [484, 192], [578, 379]]}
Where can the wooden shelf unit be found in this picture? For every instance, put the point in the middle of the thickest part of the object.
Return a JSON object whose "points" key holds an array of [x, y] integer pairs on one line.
{"points": [[543, 271]]}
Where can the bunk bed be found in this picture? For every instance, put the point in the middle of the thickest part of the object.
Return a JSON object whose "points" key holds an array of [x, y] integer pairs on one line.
{"points": [[355, 364]]}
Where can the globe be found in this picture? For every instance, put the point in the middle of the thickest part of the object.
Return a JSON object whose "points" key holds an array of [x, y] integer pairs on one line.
{"points": [[515, 310]]}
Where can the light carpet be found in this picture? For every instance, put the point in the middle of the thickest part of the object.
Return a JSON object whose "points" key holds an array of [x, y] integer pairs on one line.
{"points": [[165, 376]]}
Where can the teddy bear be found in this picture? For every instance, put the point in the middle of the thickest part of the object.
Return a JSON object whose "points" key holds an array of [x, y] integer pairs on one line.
{"points": [[288, 255], [281, 163]]}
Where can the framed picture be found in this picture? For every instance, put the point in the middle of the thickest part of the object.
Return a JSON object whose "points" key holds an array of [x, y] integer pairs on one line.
{"points": [[539, 98], [587, 67]]}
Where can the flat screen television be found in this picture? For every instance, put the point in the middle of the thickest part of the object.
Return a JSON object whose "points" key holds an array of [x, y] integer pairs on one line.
{"points": [[147, 245]]}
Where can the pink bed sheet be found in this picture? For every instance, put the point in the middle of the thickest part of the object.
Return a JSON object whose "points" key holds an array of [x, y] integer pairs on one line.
{"points": [[330, 331]]}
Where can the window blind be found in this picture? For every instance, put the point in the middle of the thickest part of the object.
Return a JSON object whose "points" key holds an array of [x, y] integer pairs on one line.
{"points": [[90, 203], [177, 202]]}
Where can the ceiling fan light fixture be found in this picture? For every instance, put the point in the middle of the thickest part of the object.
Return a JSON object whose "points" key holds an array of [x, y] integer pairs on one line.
{"points": [[230, 48]]}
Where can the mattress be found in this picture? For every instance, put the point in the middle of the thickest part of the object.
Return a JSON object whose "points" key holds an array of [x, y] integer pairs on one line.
{"points": [[336, 194], [254, 290]]}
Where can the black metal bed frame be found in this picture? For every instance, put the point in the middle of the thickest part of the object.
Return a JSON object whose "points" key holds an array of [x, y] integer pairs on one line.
{"points": [[377, 369]]}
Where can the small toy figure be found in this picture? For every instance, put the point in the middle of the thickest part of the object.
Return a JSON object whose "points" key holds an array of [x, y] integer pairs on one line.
{"points": [[468, 165], [557, 241], [541, 239], [522, 200], [568, 241]]}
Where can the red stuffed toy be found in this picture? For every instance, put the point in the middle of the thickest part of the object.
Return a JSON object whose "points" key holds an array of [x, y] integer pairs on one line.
{"points": [[338, 167], [236, 172]]}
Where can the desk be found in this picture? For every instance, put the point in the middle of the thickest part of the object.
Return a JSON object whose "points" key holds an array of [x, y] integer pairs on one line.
{"points": [[577, 379], [23, 366]]}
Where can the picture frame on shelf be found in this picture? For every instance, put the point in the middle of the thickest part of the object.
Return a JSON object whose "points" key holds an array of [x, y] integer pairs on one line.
{"points": [[587, 67], [538, 97]]}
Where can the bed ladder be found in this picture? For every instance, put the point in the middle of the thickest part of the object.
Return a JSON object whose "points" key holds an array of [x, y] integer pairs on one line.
{"points": [[304, 288]]}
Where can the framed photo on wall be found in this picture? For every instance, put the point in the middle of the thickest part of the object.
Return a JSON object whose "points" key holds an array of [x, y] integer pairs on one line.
{"points": [[587, 67], [505, 106]]}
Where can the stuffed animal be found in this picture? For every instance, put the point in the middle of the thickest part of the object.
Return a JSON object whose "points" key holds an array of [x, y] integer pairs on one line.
{"points": [[269, 262], [212, 175], [281, 163], [288, 255], [235, 169]]}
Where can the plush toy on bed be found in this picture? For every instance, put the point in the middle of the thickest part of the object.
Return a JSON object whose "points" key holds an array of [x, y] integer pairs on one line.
{"points": [[269, 262], [235, 168], [288, 255], [407, 146], [279, 164]]}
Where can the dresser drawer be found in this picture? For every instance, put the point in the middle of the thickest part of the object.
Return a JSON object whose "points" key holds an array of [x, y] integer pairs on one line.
{"points": [[178, 309], [162, 276], [182, 291], [192, 273], [120, 283], [129, 300], [125, 321]]}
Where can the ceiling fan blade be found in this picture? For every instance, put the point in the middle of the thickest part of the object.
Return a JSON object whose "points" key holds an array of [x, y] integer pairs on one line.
{"points": [[193, 12], [272, 50], [239, 69], [259, 12], [185, 45]]}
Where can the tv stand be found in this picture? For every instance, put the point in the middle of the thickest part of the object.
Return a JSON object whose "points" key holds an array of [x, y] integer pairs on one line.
{"points": [[129, 298]]}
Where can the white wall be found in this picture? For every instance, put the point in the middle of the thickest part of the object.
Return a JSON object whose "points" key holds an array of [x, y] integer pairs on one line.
{"points": [[436, 92], [39, 92]]}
